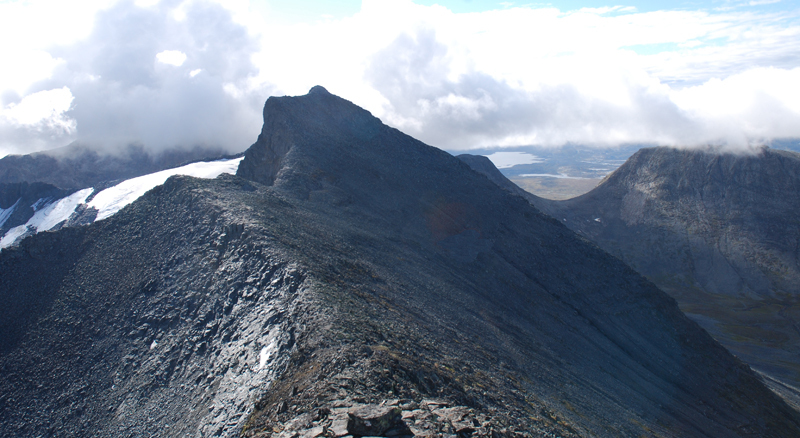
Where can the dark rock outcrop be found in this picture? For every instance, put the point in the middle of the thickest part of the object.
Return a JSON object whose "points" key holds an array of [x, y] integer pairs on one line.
{"points": [[372, 268]]}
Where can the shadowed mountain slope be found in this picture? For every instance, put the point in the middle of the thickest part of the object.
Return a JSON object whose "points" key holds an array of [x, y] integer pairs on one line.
{"points": [[484, 165], [719, 232], [350, 264]]}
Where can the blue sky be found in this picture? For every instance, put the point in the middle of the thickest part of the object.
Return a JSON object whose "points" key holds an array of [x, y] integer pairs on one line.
{"points": [[309, 10], [455, 74]]}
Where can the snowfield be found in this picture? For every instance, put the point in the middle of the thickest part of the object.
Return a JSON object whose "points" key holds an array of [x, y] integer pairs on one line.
{"points": [[112, 199], [6, 213], [50, 213], [57, 212]]}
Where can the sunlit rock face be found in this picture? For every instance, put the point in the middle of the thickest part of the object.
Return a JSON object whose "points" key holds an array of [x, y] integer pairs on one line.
{"points": [[166, 321], [351, 274]]}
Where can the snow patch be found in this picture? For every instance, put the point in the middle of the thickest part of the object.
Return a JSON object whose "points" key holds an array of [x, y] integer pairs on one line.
{"points": [[6, 213], [265, 355], [109, 201], [42, 202], [12, 235], [113, 199], [47, 216], [57, 212]]}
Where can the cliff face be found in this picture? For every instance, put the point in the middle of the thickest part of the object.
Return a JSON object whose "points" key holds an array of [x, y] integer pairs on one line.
{"points": [[349, 265], [719, 232], [309, 123], [742, 208]]}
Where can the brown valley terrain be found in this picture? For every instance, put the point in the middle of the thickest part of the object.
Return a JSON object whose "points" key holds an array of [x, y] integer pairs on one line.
{"points": [[556, 188]]}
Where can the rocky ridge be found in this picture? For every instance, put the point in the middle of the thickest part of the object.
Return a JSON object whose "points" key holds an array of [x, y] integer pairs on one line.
{"points": [[347, 272]]}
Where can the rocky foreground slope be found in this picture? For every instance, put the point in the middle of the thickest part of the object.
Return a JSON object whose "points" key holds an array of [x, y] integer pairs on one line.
{"points": [[719, 232], [352, 280]]}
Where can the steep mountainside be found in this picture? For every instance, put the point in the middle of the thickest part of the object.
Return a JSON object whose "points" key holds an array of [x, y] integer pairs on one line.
{"points": [[77, 166], [719, 232], [345, 266]]}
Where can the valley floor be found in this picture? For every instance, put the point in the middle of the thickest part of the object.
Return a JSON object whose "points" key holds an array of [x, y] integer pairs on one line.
{"points": [[556, 188]]}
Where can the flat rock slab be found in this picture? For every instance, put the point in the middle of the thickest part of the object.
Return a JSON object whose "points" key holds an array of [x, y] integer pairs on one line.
{"points": [[372, 420]]}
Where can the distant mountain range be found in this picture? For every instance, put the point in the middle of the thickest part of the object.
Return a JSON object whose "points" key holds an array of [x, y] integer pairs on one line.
{"points": [[573, 160], [571, 170], [27, 209], [77, 166], [350, 280]]}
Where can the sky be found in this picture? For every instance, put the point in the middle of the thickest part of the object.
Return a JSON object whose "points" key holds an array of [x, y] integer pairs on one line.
{"points": [[455, 74]]}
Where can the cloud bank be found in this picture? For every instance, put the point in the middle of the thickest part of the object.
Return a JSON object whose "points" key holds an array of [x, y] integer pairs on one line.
{"points": [[165, 75], [182, 73], [544, 77], [628, 106]]}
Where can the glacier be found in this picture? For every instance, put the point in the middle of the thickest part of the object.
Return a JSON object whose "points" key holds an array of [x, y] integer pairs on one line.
{"points": [[50, 213]]}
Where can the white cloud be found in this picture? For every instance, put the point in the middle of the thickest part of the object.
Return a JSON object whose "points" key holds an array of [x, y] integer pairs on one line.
{"points": [[37, 107], [171, 57], [516, 75], [149, 89], [38, 120], [29, 66], [753, 106], [503, 160], [530, 75]]}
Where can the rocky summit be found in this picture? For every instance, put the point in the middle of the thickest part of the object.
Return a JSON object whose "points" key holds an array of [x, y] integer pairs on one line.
{"points": [[352, 281], [718, 231]]}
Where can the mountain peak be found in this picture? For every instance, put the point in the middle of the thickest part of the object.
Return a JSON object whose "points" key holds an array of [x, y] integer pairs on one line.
{"points": [[318, 89], [317, 119]]}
